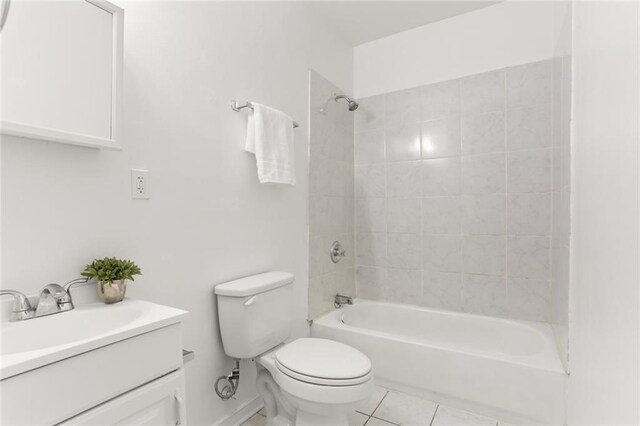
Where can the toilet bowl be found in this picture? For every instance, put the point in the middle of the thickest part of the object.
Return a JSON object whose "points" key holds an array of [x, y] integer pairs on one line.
{"points": [[315, 381], [306, 382]]}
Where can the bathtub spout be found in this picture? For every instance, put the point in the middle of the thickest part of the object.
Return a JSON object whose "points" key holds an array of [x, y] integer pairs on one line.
{"points": [[341, 300]]}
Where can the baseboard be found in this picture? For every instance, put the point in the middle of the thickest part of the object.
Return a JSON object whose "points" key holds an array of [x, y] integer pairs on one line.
{"points": [[247, 410]]}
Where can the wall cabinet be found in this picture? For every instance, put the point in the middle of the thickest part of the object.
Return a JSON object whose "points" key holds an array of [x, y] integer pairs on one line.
{"points": [[61, 76]]}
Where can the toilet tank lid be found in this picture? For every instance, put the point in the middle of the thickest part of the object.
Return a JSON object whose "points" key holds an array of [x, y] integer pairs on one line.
{"points": [[254, 284]]}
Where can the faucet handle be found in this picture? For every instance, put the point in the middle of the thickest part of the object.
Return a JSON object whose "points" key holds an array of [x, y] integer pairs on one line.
{"points": [[21, 307], [70, 284]]}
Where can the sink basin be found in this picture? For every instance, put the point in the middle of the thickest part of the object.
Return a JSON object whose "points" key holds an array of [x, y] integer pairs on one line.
{"points": [[36, 342], [62, 329]]}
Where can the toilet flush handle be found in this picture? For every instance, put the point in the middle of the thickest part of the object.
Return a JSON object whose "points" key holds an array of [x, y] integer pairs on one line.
{"points": [[250, 301]]}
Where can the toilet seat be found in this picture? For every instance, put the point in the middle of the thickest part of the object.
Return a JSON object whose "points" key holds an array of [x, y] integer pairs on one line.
{"points": [[323, 362]]}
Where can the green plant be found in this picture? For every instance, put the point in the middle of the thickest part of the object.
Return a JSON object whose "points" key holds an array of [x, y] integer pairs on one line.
{"points": [[111, 269]]}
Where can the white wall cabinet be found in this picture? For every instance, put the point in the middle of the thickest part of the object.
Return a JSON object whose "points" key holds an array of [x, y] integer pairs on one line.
{"points": [[61, 76], [161, 402]]}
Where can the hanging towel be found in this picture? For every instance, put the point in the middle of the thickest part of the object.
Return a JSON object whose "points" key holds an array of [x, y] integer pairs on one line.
{"points": [[270, 138]]}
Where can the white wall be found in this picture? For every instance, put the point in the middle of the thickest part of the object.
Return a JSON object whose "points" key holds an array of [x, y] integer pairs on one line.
{"points": [[498, 36], [208, 219], [603, 387]]}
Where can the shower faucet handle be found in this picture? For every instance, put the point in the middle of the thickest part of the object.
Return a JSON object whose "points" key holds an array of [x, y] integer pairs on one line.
{"points": [[337, 252]]}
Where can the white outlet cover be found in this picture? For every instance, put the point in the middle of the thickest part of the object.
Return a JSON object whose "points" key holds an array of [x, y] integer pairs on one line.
{"points": [[140, 184]]}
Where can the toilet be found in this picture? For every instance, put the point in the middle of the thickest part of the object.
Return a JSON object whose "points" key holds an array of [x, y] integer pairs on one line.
{"points": [[305, 382]]}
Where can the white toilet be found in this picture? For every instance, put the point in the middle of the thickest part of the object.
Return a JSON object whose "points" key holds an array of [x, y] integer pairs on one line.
{"points": [[305, 382]]}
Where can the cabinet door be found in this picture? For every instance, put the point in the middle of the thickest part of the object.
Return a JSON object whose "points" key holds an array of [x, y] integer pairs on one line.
{"points": [[61, 71], [161, 402]]}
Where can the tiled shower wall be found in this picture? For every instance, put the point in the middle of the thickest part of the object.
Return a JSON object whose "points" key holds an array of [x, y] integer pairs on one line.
{"points": [[561, 200], [330, 196], [453, 194]]}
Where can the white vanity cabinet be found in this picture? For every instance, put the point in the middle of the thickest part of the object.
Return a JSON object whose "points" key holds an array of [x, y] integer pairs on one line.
{"points": [[61, 72], [161, 402], [114, 364]]}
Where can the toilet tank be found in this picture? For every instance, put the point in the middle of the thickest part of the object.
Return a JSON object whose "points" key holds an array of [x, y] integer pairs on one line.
{"points": [[255, 313]]}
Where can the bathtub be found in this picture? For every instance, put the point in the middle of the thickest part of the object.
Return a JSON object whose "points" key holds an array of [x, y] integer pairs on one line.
{"points": [[502, 368]]}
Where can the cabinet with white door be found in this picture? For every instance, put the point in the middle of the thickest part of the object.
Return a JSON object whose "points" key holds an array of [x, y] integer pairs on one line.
{"points": [[161, 402], [131, 372]]}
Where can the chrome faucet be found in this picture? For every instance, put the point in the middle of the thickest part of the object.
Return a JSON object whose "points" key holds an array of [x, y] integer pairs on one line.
{"points": [[341, 300], [53, 299], [21, 307]]}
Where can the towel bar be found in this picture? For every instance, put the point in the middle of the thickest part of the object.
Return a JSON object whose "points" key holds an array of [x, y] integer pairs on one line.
{"points": [[237, 106]]}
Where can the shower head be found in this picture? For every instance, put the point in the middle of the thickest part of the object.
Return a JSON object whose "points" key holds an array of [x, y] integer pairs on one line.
{"points": [[353, 105]]}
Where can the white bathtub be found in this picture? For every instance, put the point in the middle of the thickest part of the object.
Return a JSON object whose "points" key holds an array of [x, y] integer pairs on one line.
{"points": [[503, 368]]}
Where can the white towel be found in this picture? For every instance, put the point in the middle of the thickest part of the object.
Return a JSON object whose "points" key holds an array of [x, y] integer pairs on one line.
{"points": [[270, 138]]}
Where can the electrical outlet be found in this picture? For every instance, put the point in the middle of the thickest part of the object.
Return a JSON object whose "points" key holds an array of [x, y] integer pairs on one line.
{"points": [[140, 184]]}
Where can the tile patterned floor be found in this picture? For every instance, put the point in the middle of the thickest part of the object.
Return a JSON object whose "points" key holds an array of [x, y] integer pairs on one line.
{"points": [[388, 408]]}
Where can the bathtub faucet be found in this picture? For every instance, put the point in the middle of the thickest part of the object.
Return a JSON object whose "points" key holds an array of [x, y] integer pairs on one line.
{"points": [[341, 300]]}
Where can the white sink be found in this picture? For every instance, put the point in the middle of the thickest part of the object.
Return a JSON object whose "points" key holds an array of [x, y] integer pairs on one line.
{"points": [[36, 342]]}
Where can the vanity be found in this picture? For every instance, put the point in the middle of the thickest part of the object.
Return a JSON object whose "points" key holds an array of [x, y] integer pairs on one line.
{"points": [[97, 364]]}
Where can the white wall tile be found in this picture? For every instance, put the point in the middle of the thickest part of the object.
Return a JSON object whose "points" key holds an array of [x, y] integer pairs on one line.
{"points": [[483, 174], [369, 181], [483, 133], [402, 106], [482, 92], [441, 215], [440, 100], [442, 253], [318, 215], [371, 214], [529, 214], [336, 212], [317, 245], [529, 257], [484, 294], [371, 249], [369, 147], [404, 251], [529, 84], [404, 179], [404, 285], [442, 290], [441, 138], [529, 299], [402, 142], [370, 114], [529, 128], [403, 215], [346, 282], [371, 283], [529, 170], [482, 188], [484, 214], [441, 176], [484, 254]]}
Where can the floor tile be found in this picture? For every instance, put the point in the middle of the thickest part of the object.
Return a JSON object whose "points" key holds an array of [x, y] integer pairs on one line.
{"points": [[368, 407], [256, 420], [447, 416], [378, 422], [357, 419], [405, 409]]}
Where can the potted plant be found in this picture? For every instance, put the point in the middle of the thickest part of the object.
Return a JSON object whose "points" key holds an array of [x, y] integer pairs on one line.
{"points": [[112, 275]]}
